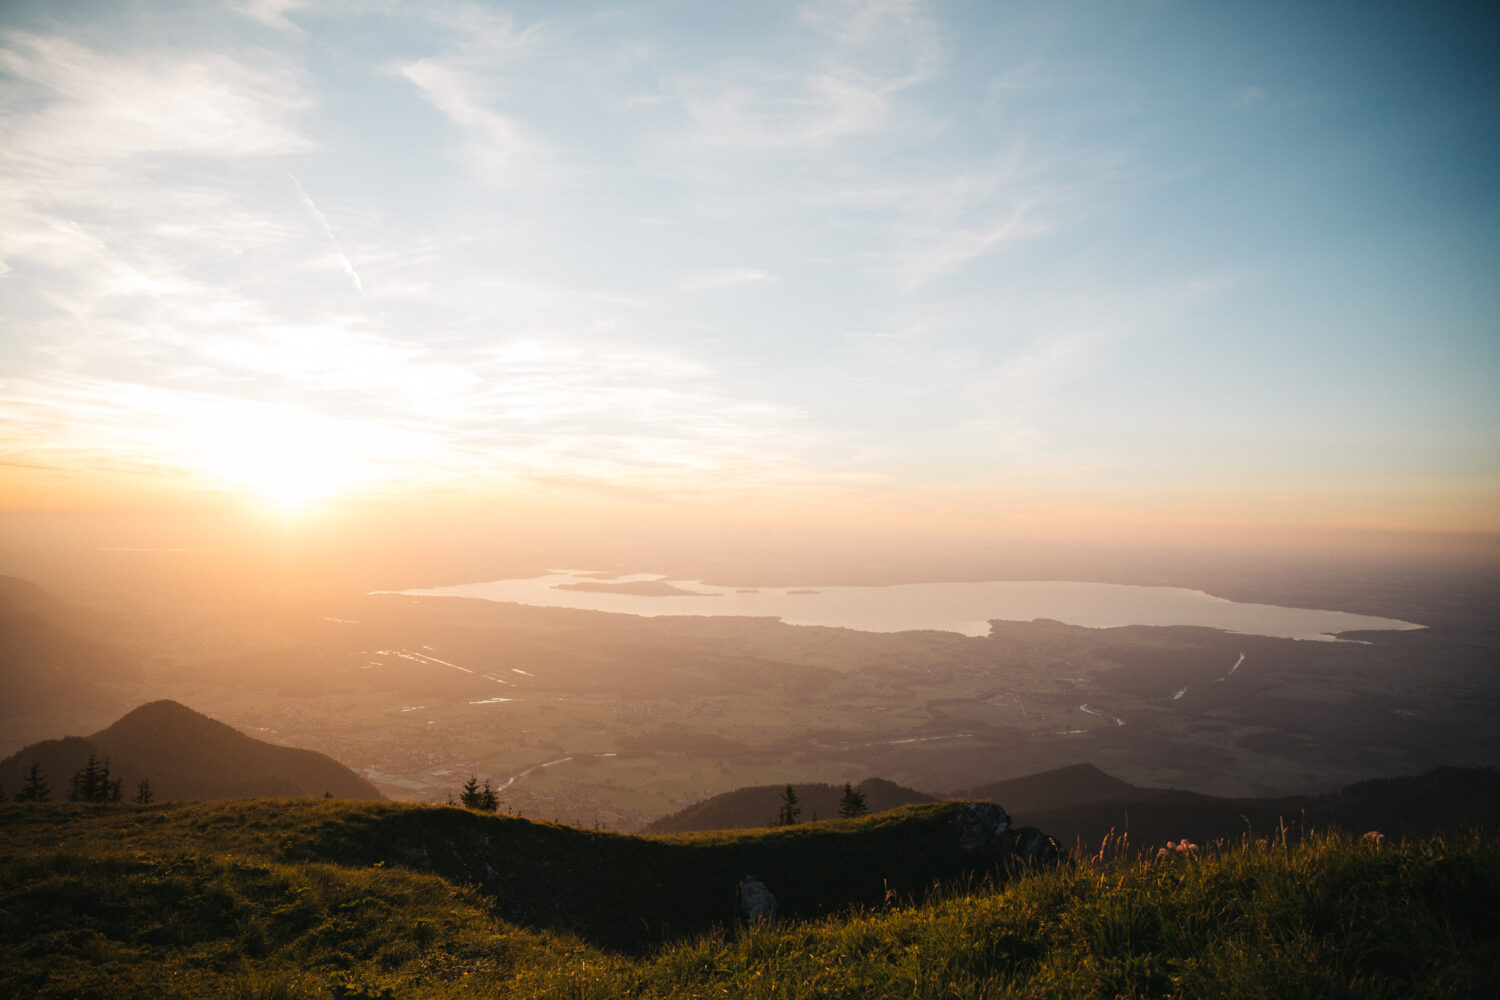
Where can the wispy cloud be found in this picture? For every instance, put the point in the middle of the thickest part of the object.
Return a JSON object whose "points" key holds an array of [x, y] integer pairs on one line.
{"points": [[312, 208], [105, 108], [472, 80], [271, 13], [724, 277]]}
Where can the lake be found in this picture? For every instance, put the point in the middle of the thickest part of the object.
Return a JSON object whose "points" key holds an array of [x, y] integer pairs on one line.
{"points": [[950, 607]]}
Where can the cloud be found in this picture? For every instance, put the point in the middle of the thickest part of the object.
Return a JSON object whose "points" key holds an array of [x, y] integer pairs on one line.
{"points": [[499, 148], [102, 108], [815, 93], [271, 13], [96, 154], [931, 249], [897, 37], [724, 277], [472, 80], [348, 267]]}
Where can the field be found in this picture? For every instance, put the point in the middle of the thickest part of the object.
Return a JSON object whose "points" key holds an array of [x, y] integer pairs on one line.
{"points": [[612, 720]]}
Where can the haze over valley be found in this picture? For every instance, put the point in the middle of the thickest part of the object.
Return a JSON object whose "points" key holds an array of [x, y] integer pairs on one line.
{"points": [[609, 719]]}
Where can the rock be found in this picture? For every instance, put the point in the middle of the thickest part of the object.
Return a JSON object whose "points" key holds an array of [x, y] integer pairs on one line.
{"points": [[1032, 847], [757, 904], [982, 827]]}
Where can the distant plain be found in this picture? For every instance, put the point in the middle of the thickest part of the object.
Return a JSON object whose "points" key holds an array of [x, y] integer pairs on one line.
{"points": [[613, 720]]}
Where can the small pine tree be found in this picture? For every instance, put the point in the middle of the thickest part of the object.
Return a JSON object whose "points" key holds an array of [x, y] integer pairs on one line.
{"points": [[87, 783], [789, 812], [852, 803], [36, 788], [488, 801], [143, 791], [471, 796], [92, 782]]}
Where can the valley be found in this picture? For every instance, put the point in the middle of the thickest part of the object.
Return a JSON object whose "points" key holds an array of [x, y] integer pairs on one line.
{"points": [[609, 720]]}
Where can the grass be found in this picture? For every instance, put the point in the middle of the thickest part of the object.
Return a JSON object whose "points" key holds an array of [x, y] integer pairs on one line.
{"points": [[273, 900]]}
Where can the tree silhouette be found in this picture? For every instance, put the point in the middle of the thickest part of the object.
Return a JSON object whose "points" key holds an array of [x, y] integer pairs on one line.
{"points": [[143, 791], [36, 788], [476, 796], [789, 812], [852, 803], [92, 783]]}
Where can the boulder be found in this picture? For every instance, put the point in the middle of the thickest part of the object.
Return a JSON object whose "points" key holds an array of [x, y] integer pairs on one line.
{"points": [[757, 905]]}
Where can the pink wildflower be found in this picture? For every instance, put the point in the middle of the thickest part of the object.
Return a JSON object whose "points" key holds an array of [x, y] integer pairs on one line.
{"points": [[1177, 847], [1375, 837]]}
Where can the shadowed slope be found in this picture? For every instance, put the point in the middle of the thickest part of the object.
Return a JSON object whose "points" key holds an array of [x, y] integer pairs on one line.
{"points": [[618, 891], [187, 755], [755, 806]]}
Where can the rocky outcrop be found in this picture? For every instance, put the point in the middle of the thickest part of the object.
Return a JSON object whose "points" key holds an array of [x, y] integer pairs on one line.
{"points": [[756, 902], [984, 831]]}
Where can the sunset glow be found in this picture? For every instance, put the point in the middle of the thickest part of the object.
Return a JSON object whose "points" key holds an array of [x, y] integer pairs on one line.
{"points": [[1078, 268]]}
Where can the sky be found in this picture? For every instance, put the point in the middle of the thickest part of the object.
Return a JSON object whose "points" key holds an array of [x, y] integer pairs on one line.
{"points": [[973, 266]]}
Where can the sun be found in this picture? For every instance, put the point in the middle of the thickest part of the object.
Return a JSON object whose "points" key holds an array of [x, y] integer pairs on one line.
{"points": [[287, 458]]}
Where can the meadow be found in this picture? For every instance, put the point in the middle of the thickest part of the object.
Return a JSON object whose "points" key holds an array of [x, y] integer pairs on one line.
{"points": [[273, 899]]}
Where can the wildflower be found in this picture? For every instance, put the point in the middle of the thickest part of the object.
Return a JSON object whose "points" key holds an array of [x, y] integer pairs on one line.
{"points": [[1375, 837]]}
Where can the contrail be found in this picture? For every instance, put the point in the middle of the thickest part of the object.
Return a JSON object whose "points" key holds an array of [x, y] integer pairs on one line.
{"points": [[359, 285]]}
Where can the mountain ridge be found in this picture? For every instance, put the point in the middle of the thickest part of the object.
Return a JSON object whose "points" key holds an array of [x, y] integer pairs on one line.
{"points": [[1080, 804], [757, 805]]}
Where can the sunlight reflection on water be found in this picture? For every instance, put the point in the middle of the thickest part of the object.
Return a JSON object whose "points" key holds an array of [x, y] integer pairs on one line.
{"points": [[966, 608]]}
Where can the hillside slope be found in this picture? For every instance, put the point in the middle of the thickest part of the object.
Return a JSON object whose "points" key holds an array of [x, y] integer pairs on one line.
{"points": [[187, 755], [615, 890], [1072, 785], [758, 805], [1449, 798], [300, 899]]}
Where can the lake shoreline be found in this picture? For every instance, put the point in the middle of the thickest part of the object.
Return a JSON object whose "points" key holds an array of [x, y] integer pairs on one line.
{"points": [[966, 608]]}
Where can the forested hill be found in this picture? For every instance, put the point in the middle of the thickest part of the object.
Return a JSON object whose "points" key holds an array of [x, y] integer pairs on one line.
{"points": [[186, 755], [759, 805], [1081, 804]]}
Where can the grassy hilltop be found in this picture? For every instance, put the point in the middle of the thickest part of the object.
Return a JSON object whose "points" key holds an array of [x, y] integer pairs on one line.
{"points": [[305, 898]]}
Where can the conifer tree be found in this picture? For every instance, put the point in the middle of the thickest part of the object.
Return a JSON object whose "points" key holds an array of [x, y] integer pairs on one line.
{"points": [[789, 808], [36, 788], [488, 801], [853, 802], [87, 783], [471, 796], [143, 791], [92, 782]]}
